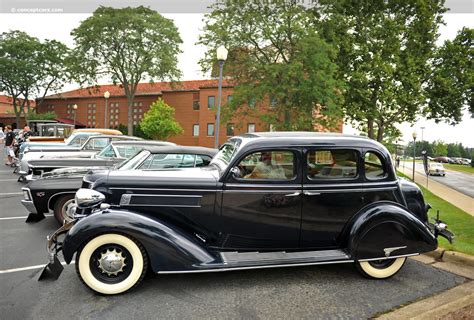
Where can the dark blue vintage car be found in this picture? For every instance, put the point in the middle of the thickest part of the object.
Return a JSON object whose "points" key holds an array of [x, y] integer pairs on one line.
{"points": [[275, 199]]}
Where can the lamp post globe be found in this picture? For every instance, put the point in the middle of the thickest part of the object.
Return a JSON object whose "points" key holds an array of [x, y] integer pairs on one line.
{"points": [[221, 57]]}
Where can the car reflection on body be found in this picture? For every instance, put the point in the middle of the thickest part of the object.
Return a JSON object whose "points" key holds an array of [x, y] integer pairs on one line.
{"points": [[55, 190]]}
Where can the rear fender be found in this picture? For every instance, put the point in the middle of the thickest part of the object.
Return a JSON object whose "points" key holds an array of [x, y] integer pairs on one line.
{"points": [[386, 229], [167, 248]]}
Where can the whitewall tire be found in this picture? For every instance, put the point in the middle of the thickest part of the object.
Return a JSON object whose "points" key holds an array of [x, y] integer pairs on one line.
{"points": [[111, 264], [380, 269]]}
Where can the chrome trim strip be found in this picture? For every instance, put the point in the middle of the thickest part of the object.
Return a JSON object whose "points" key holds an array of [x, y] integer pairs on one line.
{"points": [[161, 189], [260, 186], [392, 257], [379, 189], [260, 191], [163, 195], [159, 205], [257, 267]]}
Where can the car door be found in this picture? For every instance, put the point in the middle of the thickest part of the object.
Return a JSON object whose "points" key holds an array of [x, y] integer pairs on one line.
{"points": [[261, 201], [332, 194]]}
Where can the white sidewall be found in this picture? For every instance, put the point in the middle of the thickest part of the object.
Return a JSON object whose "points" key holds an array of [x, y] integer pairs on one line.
{"points": [[105, 288], [382, 273]]}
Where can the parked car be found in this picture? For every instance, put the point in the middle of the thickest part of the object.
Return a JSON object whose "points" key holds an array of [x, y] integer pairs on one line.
{"points": [[115, 152], [55, 190], [436, 169], [442, 159], [266, 200], [92, 145], [51, 132]]}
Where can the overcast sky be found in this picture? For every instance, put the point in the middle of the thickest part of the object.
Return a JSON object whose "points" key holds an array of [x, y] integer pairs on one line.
{"points": [[59, 26]]}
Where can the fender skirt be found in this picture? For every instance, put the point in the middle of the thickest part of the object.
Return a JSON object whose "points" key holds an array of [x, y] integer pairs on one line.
{"points": [[386, 229], [167, 248]]}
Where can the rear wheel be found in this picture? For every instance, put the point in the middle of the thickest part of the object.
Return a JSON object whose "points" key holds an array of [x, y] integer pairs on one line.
{"points": [[111, 264], [61, 207], [380, 269]]}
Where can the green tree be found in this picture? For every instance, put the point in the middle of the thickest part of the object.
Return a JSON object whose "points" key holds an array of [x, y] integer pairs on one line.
{"points": [[384, 53], [30, 69], [453, 150], [32, 115], [277, 56], [159, 122], [450, 88], [440, 149], [129, 45]]}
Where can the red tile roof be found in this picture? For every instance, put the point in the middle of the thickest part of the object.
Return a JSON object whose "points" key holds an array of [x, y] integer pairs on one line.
{"points": [[155, 88], [8, 100]]}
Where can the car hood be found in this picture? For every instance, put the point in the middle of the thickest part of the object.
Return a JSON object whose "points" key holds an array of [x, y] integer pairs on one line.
{"points": [[184, 178], [72, 172], [67, 162]]}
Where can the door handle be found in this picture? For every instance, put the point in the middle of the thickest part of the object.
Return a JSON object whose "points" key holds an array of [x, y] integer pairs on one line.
{"points": [[294, 194], [309, 193]]}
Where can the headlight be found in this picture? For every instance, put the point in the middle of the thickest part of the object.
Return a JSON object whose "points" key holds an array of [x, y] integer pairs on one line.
{"points": [[87, 198], [26, 194]]}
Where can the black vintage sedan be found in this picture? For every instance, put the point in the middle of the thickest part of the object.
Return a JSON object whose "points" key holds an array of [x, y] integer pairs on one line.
{"points": [[56, 189], [267, 200]]}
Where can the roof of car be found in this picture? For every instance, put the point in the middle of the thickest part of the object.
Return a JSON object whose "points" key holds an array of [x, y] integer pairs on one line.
{"points": [[116, 136], [144, 143], [181, 150]]}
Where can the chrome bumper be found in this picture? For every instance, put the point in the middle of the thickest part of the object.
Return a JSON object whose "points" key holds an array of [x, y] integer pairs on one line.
{"points": [[29, 205]]}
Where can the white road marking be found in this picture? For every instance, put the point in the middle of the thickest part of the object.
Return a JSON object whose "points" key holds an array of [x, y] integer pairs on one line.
{"points": [[5, 180], [39, 266], [24, 217], [11, 194]]}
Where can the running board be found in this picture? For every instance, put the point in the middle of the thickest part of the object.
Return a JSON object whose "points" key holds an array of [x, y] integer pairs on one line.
{"points": [[236, 258]]}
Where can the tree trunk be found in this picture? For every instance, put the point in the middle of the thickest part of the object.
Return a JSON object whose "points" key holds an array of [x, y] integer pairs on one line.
{"points": [[370, 128], [380, 133], [130, 117]]}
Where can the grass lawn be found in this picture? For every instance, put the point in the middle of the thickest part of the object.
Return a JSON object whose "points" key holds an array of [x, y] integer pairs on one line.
{"points": [[459, 167], [458, 221]]}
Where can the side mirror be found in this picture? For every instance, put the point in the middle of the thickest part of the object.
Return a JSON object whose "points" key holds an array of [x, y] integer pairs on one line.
{"points": [[88, 198], [236, 172]]}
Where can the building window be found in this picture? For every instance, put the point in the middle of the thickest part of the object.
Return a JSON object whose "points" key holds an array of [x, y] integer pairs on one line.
{"points": [[273, 101], [251, 128], [211, 100], [252, 103], [195, 130], [230, 129], [195, 105], [229, 99], [210, 129]]}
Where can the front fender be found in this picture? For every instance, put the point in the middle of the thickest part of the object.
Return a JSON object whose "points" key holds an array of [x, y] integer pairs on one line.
{"points": [[167, 248], [385, 229]]}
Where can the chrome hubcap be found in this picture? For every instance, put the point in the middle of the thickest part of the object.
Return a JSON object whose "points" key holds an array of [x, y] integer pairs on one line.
{"points": [[69, 208], [111, 262]]}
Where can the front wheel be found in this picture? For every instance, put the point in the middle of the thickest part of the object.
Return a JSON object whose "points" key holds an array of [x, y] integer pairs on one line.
{"points": [[62, 208], [380, 269], [111, 264]]}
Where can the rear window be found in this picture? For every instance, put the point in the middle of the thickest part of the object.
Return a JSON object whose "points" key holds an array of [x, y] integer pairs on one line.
{"points": [[332, 164], [374, 168]]}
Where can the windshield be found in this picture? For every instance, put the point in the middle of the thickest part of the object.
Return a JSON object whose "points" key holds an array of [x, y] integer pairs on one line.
{"points": [[226, 152], [128, 151], [131, 163]]}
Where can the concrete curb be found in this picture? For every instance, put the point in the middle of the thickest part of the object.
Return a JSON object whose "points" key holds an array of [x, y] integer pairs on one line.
{"points": [[444, 255]]}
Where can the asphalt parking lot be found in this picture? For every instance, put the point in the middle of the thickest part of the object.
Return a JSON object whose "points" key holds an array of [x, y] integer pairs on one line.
{"points": [[330, 291]]}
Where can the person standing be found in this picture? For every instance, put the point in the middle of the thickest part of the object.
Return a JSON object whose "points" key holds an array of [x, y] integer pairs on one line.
{"points": [[2, 135], [9, 140]]}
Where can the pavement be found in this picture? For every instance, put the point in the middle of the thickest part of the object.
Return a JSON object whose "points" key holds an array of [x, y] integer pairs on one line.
{"points": [[438, 186], [329, 291]]}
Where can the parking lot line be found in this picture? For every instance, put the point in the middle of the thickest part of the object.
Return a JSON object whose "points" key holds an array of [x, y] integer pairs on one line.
{"points": [[11, 194], [28, 268], [24, 217], [7, 180]]}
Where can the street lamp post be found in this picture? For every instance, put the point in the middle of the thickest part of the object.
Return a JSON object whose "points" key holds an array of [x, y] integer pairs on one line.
{"points": [[221, 57], [422, 131], [414, 134], [74, 107], [106, 96]]}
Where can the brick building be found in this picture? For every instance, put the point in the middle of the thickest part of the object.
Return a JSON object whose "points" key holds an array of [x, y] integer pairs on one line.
{"points": [[7, 114], [195, 104]]}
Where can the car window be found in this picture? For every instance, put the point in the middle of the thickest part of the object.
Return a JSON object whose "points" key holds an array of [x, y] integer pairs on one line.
{"points": [[168, 161], [331, 164], [96, 144], [128, 151], [271, 165], [374, 168], [107, 152], [202, 160]]}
